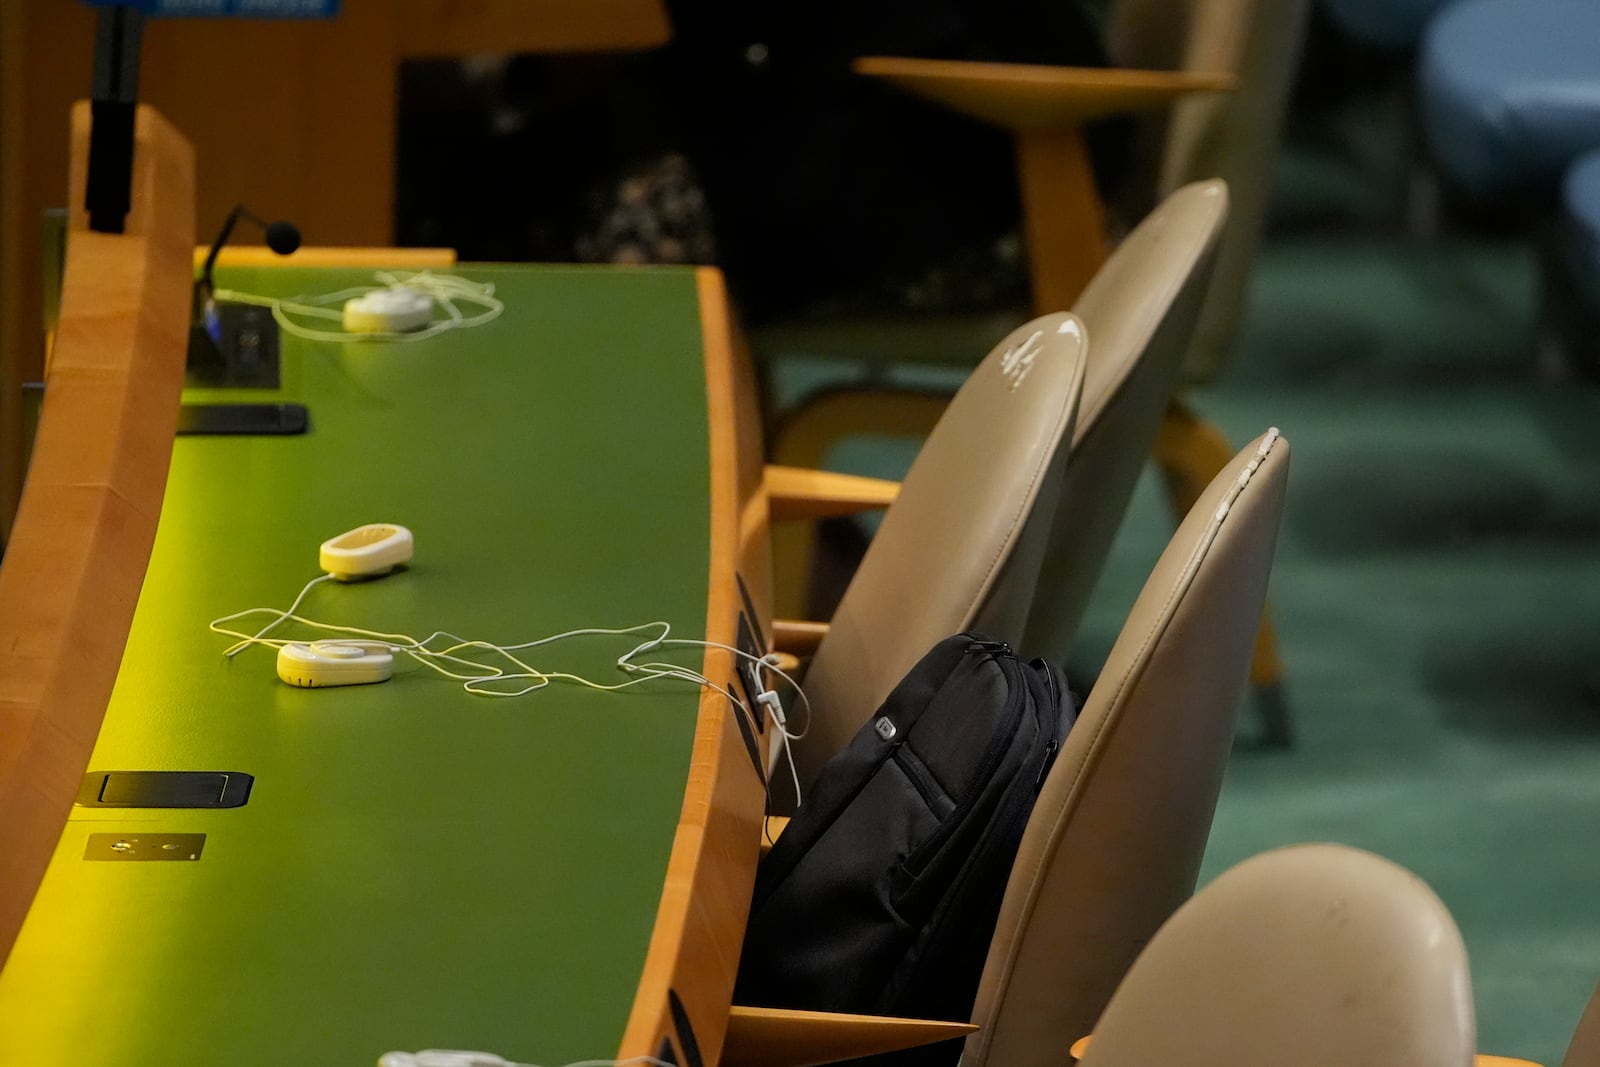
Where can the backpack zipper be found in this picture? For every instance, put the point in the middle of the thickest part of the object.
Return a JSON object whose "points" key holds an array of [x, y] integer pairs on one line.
{"points": [[1053, 691], [921, 778], [1049, 761], [999, 743], [918, 771]]}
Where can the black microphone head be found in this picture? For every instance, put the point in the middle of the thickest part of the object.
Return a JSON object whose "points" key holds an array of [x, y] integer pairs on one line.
{"points": [[283, 237]]}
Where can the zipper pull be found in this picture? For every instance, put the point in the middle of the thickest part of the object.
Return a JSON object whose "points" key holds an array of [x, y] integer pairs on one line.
{"points": [[1049, 761], [995, 648], [1049, 673]]}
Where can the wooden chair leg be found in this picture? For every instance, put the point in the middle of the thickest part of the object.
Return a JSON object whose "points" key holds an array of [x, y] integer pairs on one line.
{"points": [[1191, 452], [804, 440]]}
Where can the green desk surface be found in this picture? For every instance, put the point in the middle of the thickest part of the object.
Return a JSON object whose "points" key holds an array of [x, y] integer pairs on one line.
{"points": [[416, 867]]}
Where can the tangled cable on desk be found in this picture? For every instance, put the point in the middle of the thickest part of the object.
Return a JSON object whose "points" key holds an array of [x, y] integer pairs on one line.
{"points": [[445, 290], [452, 656]]}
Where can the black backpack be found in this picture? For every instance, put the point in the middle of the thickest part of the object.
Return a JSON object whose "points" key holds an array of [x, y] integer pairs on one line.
{"points": [[881, 896]]}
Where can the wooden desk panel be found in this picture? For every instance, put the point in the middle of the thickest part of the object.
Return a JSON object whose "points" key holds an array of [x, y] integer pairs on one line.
{"points": [[73, 567]]}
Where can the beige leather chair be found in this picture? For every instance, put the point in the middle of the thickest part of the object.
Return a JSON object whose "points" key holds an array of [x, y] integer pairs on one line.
{"points": [[1233, 136], [962, 544], [1310, 956], [1175, 55], [1140, 312], [1585, 1048], [1114, 843]]}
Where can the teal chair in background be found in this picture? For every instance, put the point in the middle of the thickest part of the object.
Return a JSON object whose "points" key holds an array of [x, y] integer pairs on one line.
{"points": [[1396, 24]]}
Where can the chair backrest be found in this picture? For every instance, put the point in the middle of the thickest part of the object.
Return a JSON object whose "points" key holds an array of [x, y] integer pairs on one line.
{"points": [[1313, 955], [1585, 1048], [962, 545], [1114, 843], [1139, 312], [1232, 136]]}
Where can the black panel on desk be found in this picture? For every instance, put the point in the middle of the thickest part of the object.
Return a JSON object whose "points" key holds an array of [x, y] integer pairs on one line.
{"points": [[165, 789]]}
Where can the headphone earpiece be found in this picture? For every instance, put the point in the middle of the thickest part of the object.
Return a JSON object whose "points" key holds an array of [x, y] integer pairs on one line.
{"points": [[442, 1057]]}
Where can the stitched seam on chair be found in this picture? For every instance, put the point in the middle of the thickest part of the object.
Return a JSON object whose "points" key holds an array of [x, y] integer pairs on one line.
{"points": [[1094, 749], [1141, 659], [1091, 752]]}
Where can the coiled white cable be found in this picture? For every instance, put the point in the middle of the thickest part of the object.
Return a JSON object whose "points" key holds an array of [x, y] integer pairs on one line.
{"points": [[446, 290], [453, 660]]}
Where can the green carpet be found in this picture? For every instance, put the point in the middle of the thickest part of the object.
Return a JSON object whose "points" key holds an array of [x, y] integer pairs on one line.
{"points": [[1438, 599], [1438, 579]]}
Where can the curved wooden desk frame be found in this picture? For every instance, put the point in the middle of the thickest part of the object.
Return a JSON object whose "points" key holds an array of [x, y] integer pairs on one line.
{"points": [[85, 530], [682, 1009], [687, 985], [87, 519]]}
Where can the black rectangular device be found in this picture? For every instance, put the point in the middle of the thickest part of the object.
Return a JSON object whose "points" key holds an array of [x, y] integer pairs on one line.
{"points": [[165, 789], [232, 346], [253, 419]]}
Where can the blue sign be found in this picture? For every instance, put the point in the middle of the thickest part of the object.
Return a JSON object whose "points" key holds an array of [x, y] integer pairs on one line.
{"points": [[231, 9]]}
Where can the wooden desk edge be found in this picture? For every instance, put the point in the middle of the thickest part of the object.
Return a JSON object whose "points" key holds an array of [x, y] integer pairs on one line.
{"points": [[314, 256], [686, 986], [87, 518], [781, 1037]]}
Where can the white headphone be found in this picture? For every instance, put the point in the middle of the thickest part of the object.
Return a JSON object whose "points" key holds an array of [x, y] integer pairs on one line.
{"points": [[444, 1057], [399, 308]]}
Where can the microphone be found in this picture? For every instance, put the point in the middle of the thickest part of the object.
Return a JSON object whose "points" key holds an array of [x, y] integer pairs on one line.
{"points": [[282, 237], [234, 344]]}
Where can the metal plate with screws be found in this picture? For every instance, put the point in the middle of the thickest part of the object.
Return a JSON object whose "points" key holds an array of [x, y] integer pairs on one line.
{"points": [[145, 847]]}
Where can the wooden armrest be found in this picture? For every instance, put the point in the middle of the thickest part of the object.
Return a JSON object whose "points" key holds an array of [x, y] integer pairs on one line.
{"points": [[1080, 1046], [773, 830], [1022, 97], [779, 1037], [800, 493], [796, 637], [376, 258]]}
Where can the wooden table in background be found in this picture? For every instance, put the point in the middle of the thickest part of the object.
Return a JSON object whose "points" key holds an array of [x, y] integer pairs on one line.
{"points": [[296, 119]]}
